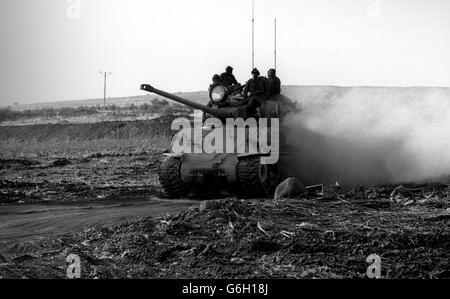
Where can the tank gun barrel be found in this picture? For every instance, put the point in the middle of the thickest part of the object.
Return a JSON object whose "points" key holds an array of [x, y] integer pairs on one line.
{"points": [[178, 99]]}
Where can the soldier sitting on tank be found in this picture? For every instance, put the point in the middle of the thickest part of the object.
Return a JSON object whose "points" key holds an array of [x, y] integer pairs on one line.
{"points": [[255, 87], [255, 90], [273, 83], [228, 80], [234, 97], [215, 81]]}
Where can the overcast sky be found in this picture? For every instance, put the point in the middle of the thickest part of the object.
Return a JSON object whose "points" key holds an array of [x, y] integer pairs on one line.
{"points": [[54, 49]]}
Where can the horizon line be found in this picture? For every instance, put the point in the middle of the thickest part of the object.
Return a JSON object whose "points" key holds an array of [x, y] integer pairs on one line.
{"points": [[201, 91]]}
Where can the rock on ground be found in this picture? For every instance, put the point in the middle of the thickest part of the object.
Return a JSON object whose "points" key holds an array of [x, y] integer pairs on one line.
{"points": [[289, 188]]}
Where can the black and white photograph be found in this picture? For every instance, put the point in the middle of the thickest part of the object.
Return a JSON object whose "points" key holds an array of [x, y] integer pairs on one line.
{"points": [[219, 146]]}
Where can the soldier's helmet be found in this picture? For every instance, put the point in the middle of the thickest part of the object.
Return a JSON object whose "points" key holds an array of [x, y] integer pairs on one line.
{"points": [[216, 78], [255, 71], [229, 68]]}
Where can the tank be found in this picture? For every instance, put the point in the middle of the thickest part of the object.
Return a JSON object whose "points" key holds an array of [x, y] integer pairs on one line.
{"points": [[198, 174]]}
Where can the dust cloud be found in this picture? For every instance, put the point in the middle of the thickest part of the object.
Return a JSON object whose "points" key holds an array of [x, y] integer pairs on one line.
{"points": [[369, 135]]}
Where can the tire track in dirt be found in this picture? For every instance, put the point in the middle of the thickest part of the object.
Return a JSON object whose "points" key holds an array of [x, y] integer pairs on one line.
{"points": [[27, 222]]}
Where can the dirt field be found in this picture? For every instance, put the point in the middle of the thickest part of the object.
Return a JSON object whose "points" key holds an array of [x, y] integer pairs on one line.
{"points": [[61, 163], [92, 190], [100, 199], [304, 238], [56, 179]]}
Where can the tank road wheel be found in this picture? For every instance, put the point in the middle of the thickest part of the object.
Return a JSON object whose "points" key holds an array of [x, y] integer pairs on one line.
{"points": [[256, 179], [170, 177]]}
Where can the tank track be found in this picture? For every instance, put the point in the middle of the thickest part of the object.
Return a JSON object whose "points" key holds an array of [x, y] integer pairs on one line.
{"points": [[256, 180], [170, 179]]}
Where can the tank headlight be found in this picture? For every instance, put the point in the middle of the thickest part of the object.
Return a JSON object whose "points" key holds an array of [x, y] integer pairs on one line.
{"points": [[218, 93]]}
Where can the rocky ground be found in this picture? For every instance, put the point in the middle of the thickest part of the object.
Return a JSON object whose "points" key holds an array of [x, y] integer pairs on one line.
{"points": [[307, 237]]}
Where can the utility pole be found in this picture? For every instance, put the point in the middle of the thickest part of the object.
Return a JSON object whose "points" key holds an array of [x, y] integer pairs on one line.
{"points": [[105, 74], [253, 34]]}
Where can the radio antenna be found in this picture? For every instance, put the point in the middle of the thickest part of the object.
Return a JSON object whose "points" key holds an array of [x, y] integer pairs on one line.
{"points": [[253, 34], [275, 45]]}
